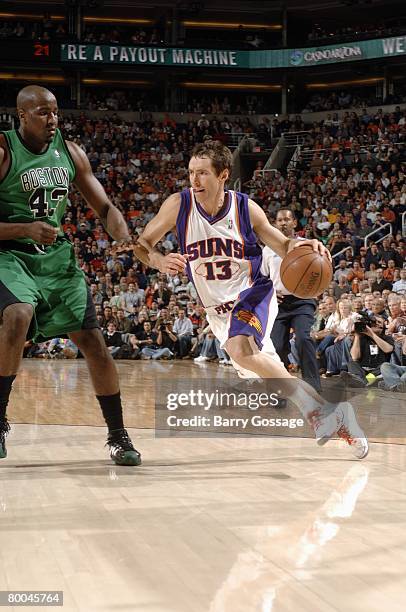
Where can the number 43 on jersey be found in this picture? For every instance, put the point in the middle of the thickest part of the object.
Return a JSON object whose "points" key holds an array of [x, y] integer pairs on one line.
{"points": [[39, 205]]}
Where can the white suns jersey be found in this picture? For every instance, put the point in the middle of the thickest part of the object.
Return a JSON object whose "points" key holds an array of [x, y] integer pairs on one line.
{"points": [[223, 255]]}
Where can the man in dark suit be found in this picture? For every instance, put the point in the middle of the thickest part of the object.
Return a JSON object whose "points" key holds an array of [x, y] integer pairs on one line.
{"points": [[293, 312], [380, 282]]}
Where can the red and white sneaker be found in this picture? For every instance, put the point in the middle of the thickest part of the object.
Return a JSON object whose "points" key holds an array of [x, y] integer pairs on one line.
{"points": [[325, 424], [350, 431], [341, 420]]}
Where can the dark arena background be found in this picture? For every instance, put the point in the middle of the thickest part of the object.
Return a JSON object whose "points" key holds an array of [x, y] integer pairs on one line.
{"points": [[235, 508]]}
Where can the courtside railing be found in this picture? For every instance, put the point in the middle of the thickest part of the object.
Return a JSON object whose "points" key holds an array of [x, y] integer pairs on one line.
{"points": [[307, 155], [379, 229], [293, 139], [264, 172], [333, 257]]}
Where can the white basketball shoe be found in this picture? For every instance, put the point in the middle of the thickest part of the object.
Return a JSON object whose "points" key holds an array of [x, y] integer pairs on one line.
{"points": [[342, 421]]}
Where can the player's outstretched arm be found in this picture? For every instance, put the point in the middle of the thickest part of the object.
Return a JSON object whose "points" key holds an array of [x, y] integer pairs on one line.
{"points": [[94, 194], [274, 239], [155, 230]]}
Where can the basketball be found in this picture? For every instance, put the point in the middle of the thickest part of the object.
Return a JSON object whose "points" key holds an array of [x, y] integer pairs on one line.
{"points": [[305, 273]]}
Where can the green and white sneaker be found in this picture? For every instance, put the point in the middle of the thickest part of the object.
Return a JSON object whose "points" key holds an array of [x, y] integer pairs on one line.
{"points": [[4, 429], [122, 450]]}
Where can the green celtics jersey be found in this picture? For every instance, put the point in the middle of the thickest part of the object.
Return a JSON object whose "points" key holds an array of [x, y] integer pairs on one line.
{"points": [[36, 185]]}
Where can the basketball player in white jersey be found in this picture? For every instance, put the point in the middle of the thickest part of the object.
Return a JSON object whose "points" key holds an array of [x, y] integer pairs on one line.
{"points": [[218, 233]]}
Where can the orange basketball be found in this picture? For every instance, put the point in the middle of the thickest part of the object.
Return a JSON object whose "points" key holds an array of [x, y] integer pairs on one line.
{"points": [[305, 273]]}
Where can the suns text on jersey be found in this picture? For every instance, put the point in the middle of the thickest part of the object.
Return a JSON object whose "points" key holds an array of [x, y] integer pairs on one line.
{"points": [[215, 246]]}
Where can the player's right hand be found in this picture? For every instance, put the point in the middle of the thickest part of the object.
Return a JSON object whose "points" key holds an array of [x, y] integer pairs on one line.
{"points": [[279, 296], [42, 233], [173, 264]]}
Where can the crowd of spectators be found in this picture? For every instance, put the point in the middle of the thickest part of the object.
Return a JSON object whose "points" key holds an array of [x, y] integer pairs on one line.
{"points": [[234, 104], [46, 30], [132, 100], [50, 29], [355, 31], [143, 101], [122, 36], [153, 34], [349, 181], [351, 98], [240, 37], [352, 183]]}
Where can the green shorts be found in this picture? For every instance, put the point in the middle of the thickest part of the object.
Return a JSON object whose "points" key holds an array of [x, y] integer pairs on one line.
{"points": [[52, 282]]}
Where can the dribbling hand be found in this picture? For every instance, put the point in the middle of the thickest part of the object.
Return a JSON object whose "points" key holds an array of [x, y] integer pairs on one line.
{"points": [[172, 264], [317, 246], [42, 232]]}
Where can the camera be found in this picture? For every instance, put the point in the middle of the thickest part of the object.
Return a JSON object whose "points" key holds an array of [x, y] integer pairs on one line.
{"points": [[362, 322]]}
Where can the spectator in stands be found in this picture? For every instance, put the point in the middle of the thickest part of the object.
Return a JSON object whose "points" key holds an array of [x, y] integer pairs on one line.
{"points": [[380, 283], [389, 270], [342, 287], [185, 290], [334, 354], [393, 375], [355, 275], [162, 294], [183, 329], [326, 336], [372, 256], [320, 319], [134, 296], [342, 271], [400, 285], [124, 324], [207, 346], [113, 338], [96, 294]]}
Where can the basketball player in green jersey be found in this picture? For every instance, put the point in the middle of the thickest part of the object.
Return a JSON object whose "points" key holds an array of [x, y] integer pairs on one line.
{"points": [[43, 293]]}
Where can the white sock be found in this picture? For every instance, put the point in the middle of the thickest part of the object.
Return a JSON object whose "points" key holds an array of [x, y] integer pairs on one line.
{"points": [[304, 401]]}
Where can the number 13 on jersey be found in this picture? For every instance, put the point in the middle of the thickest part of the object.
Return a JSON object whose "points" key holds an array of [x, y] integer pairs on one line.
{"points": [[218, 270]]}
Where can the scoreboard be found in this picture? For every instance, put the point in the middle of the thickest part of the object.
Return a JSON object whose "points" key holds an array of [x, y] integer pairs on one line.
{"points": [[28, 52]]}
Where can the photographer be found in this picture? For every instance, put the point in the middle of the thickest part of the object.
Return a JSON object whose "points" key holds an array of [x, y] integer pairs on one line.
{"points": [[166, 339], [148, 342], [370, 349]]}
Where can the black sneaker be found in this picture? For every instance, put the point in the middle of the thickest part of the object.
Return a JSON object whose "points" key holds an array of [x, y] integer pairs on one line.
{"points": [[4, 429], [122, 450], [351, 380]]}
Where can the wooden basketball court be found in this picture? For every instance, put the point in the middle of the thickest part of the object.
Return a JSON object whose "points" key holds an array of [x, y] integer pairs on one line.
{"points": [[221, 524]]}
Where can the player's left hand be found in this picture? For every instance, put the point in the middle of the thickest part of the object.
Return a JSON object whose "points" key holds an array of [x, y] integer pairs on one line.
{"points": [[122, 246], [317, 246]]}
